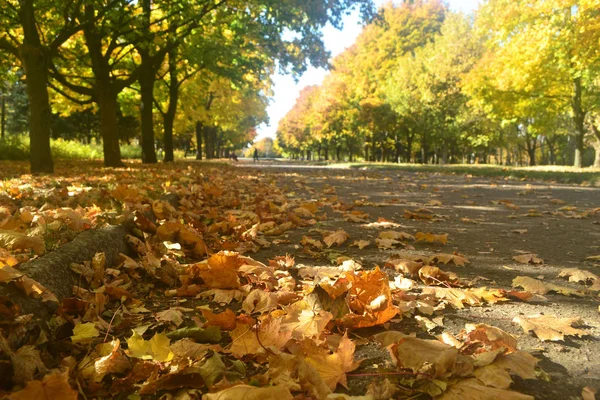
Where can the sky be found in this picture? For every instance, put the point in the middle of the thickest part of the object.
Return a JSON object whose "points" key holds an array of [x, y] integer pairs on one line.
{"points": [[286, 90]]}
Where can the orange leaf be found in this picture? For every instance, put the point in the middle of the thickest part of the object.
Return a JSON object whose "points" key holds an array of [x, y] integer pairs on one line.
{"points": [[225, 320], [53, 386]]}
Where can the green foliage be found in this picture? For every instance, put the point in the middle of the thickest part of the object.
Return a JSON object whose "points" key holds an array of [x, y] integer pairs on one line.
{"points": [[16, 147]]}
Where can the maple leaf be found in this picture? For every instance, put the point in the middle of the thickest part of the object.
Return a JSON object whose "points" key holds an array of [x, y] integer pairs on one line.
{"points": [[435, 276], [551, 328], [456, 297], [528, 259], [14, 240], [168, 231], [219, 271], [458, 260], [416, 215], [225, 320], [222, 296], [6, 259], [361, 244], [295, 373], [578, 275], [431, 238], [406, 266], [34, 289], [396, 235], [111, 361], [474, 389], [84, 332], [305, 318], [54, 386], [188, 348], [307, 241], [386, 243], [369, 299], [333, 367], [170, 315], [250, 393], [260, 301], [428, 356], [156, 348], [338, 237], [493, 338], [8, 273], [538, 287], [251, 339]]}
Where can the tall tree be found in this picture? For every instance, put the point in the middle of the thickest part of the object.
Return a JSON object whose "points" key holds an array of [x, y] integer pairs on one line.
{"points": [[33, 32]]}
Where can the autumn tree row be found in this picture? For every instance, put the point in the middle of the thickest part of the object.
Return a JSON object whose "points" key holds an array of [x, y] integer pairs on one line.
{"points": [[196, 64], [519, 79]]}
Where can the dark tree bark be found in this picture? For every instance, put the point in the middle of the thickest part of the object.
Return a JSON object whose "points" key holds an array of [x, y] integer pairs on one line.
{"points": [[596, 132], [199, 133], [169, 116], [147, 80], [3, 118], [35, 63], [105, 92], [578, 120], [53, 269]]}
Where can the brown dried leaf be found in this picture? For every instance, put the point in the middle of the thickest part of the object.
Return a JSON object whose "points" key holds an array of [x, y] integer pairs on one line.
{"points": [[431, 238], [54, 386], [246, 392], [474, 389], [528, 259], [14, 240], [248, 339], [578, 275], [428, 356], [547, 327], [338, 237]]}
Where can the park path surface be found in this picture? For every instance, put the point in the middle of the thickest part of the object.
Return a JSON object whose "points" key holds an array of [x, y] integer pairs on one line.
{"points": [[489, 221]]}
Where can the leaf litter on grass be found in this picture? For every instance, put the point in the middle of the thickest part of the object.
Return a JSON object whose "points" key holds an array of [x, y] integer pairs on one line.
{"points": [[191, 313]]}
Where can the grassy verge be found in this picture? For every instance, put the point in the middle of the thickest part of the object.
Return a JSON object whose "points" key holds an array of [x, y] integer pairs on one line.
{"points": [[17, 148], [560, 174]]}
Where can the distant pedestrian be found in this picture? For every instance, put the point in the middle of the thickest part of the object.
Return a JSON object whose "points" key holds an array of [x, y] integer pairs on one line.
{"points": [[255, 154]]}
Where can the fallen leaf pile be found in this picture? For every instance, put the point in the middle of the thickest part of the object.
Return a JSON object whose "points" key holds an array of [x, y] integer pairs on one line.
{"points": [[190, 312]]}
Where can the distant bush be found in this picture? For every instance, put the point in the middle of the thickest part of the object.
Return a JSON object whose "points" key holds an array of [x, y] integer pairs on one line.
{"points": [[129, 151], [17, 148], [14, 148], [70, 150]]}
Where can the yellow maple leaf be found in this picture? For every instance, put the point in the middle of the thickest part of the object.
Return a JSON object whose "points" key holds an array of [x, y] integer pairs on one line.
{"points": [[84, 332], [156, 348], [333, 367], [547, 327]]}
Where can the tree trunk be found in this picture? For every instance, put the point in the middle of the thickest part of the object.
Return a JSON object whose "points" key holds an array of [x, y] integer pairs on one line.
{"points": [[147, 80], [596, 132], [35, 64], [169, 116], [105, 94], [109, 126], [199, 132], [3, 118], [578, 120]]}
